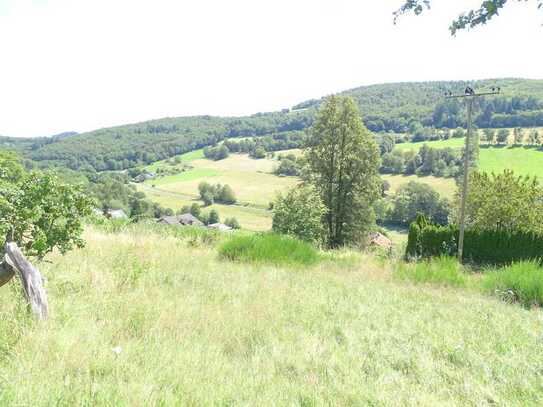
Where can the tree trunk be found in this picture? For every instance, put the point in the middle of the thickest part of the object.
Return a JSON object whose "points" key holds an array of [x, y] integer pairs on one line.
{"points": [[31, 280], [6, 273]]}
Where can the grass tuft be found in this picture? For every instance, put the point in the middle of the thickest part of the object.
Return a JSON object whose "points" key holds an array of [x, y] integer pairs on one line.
{"points": [[520, 282], [269, 248], [443, 270]]}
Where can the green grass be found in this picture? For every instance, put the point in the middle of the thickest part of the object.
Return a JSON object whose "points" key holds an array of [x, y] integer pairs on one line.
{"points": [[186, 176], [521, 282], [250, 218], [452, 142], [252, 181], [445, 186], [185, 158], [196, 330], [522, 160], [269, 248], [444, 271]]}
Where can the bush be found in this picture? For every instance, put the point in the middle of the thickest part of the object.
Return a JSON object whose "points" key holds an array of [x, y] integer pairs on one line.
{"points": [[503, 201], [520, 282], [288, 167], [213, 217], [413, 198], [216, 153], [269, 248], [232, 222], [299, 213], [210, 193], [258, 153], [443, 270]]}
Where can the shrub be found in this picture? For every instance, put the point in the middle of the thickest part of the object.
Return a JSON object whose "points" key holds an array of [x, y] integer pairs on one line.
{"points": [[492, 247], [269, 248], [232, 222], [216, 153], [288, 167], [443, 270], [520, 282], [226, 195], [210, 193], [299, 213], [503, 201], [213, 217], [195, 210], [258, 153], [415, 197]]}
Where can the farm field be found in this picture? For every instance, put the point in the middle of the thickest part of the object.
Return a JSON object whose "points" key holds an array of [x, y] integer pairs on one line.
{"points": [[252, 182], [140, 317], [251, 218], [251, 179], [445, 186], [523, 160]]}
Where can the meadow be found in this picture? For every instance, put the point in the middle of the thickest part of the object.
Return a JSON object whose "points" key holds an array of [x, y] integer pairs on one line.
{"points": [[523, 160], [141, 317], [252, 181], [256, 186]]}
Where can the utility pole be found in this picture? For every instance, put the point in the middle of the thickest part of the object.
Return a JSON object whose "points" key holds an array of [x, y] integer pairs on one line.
{"points": [[469, 95]]}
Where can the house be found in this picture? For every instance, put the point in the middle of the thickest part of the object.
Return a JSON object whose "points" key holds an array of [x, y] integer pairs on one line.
{"points": [[186, 219], [221, 227], [144, 176], [116, 214], [380, 240]]}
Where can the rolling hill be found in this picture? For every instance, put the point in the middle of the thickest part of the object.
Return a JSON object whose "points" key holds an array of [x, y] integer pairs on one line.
{"points": [[388, 107]]}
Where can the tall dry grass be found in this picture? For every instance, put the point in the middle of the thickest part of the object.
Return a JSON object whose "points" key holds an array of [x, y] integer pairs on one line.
{"points": [[141, 318]]}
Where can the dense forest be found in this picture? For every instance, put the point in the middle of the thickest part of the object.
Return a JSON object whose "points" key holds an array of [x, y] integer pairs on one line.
{"points": [[415, 108]]}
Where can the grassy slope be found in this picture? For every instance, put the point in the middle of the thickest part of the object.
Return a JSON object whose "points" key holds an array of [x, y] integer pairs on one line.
{"points": [[250, 179], [445, 186], [197, 331], [522, 160]]}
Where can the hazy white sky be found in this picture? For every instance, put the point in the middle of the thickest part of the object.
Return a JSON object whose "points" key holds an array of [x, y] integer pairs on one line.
{"points": [[81, 65]]}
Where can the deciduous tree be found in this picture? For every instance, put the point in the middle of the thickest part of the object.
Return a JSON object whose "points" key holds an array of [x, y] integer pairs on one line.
{"points": [[470, 19], [342, 164]]}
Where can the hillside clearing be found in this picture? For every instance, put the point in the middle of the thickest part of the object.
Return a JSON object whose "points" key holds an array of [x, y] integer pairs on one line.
{"points": [[445, 186], [251, 218], [523, 160], [250, 179], [144, 319]]}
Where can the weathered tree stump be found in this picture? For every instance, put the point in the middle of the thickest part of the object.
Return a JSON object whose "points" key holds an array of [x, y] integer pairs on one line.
{"points": [[30, 276]]}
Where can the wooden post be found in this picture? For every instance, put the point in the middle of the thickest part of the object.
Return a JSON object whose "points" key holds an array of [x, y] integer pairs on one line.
{"points": [[31, 280], [6, 273]]}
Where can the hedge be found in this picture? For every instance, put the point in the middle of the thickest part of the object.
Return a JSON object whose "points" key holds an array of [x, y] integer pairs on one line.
{"points": [[483, 247]]}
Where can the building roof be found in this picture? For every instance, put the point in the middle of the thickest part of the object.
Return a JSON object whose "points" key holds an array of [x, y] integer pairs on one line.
{"points": [[186, 219], [169, 220], [220, 227], [189, 219], [116, 214], [378, 239]]}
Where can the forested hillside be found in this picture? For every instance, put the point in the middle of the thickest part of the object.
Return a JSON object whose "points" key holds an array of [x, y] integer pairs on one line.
{"points": [[401, 108]]}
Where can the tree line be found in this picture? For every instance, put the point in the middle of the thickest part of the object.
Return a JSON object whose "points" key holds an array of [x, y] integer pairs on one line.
{"points": [[398, 108]]}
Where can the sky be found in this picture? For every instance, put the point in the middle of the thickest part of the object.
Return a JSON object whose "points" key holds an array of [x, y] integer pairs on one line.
{"points": [[79, 65]]}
